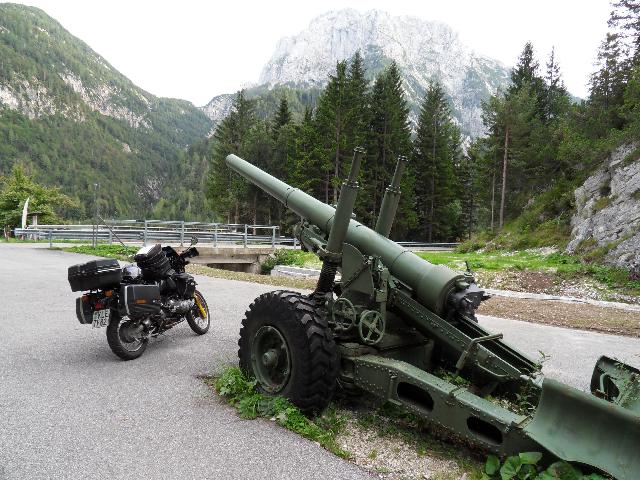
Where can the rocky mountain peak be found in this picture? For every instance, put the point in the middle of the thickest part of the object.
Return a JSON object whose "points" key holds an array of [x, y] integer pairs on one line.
{"points": [[424, 50]]}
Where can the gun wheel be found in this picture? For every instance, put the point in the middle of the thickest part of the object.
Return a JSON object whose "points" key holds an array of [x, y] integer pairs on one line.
{"points": [[288, 347]]}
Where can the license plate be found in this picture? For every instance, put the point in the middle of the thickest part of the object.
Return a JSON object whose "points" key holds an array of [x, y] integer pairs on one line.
{"points": [[101, 318]]}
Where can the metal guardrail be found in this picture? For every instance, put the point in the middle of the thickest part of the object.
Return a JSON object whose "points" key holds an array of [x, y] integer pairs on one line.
{"points": [[160, 230], [143, 231]]}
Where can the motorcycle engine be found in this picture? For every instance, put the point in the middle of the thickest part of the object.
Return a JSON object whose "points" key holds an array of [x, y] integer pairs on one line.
{"points": [[179, 306]]}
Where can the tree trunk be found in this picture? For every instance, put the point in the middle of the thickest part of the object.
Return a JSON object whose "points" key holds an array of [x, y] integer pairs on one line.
{"points": [[326, 189], [504, 175], [471, 205], [493, 196], [236, 214], [336, 172], [433, 181]]}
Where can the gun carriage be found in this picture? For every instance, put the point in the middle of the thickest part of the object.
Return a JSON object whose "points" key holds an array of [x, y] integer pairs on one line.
{"points": [[393, 323]]}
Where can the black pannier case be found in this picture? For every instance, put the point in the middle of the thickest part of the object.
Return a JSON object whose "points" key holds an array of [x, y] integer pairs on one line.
{"points": [[84, 312], [136, 300], [94, 275]]}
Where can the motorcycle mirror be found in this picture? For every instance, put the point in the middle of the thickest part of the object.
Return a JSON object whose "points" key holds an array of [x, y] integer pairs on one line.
{"points": [[194, 240]]}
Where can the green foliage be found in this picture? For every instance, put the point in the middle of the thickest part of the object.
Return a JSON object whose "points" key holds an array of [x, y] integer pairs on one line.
{"points": [[70, 145], [107, 251], [314, 152], [389, 136], [296, 258], [524, 466], [49, 203], [436, 155], [565, 266], [240, 392], [540, 147]]}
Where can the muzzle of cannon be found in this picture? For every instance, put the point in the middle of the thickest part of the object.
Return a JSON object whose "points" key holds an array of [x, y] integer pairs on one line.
{"points": [[402, 329]]}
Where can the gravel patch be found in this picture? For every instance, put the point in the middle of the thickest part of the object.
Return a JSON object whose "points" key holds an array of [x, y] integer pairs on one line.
{"points": [[392, 457]]}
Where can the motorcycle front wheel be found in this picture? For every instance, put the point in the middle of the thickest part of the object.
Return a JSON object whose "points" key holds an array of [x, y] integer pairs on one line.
{"points": [[126, 338], [198, 318]]}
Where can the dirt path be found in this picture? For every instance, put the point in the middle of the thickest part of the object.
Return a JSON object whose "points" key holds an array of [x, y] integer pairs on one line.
{"points": [[573, 315]]}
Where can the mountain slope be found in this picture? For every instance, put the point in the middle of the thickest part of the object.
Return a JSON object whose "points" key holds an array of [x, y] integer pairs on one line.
{"points": [[73, 120], [423, 50]]}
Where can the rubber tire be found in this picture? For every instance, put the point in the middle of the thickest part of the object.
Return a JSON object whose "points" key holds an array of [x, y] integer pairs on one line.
{"points": [[113, 339], [312, 349], [191, 321]]}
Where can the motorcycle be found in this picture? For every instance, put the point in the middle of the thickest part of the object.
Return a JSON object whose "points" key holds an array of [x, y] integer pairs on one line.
{"points": [[139, 301]]}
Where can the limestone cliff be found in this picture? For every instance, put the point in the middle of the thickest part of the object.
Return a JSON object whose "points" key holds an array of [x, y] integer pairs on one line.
{"points": [[608, 208]]}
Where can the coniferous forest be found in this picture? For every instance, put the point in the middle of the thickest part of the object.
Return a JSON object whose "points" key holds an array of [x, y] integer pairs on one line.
{"points": [[540, 144], [516, 183]]}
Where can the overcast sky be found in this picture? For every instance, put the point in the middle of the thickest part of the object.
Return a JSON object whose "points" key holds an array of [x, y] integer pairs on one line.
{"points": [[198, 49]]}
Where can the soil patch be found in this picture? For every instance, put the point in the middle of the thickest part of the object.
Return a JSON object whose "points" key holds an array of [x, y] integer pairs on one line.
{"points": [[562, 314]]}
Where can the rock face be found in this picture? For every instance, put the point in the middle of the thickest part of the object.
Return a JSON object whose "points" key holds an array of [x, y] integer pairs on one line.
{"points": [[608, 208], [423, 50]]}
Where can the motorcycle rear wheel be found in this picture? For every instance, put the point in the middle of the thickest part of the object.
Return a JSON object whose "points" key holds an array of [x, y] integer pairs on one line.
{"points": [[123, 342], [196, 321]]}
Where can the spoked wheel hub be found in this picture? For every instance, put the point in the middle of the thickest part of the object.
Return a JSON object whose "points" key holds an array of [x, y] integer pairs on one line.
{"points": [[270, 359]]}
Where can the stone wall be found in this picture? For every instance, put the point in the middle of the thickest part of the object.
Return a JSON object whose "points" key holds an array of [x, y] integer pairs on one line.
{"points": [[608, 208]]}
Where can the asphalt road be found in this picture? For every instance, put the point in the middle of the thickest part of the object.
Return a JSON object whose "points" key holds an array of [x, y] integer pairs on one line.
{"points": [[70, 409]]}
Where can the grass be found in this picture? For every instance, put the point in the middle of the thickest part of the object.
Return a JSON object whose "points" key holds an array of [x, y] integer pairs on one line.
{"points": [[108, 251], [289, 282], [296, 258], [239, 391], [565, 267], [602, 203], [44, 240]]}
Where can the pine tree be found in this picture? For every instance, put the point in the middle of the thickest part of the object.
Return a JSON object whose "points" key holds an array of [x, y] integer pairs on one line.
{"points": [[608, 83], [435, 149], [509, 119], [282, 117], [625, 21], [525, 76], [226, 191], [357, 104], [556, 97], [389, 136], [525, 73], [331, 119]]}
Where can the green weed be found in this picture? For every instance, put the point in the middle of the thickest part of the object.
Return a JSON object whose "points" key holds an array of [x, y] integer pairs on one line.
{"points": [[525, 467], [239, 391], [602, 203], [108, 251], [297, 258]]}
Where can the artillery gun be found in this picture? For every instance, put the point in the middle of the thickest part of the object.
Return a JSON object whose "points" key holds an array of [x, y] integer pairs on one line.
{"points": [[394, 323]]}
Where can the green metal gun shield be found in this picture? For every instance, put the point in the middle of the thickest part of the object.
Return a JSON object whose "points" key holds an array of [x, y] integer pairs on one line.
{"points": [[578, 427]]}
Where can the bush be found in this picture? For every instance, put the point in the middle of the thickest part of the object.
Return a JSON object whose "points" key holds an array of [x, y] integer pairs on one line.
{"points": [[283, 256]]}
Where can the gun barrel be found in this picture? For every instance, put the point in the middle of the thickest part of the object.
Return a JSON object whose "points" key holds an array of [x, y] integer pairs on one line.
{"points": [[432, 284]]}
